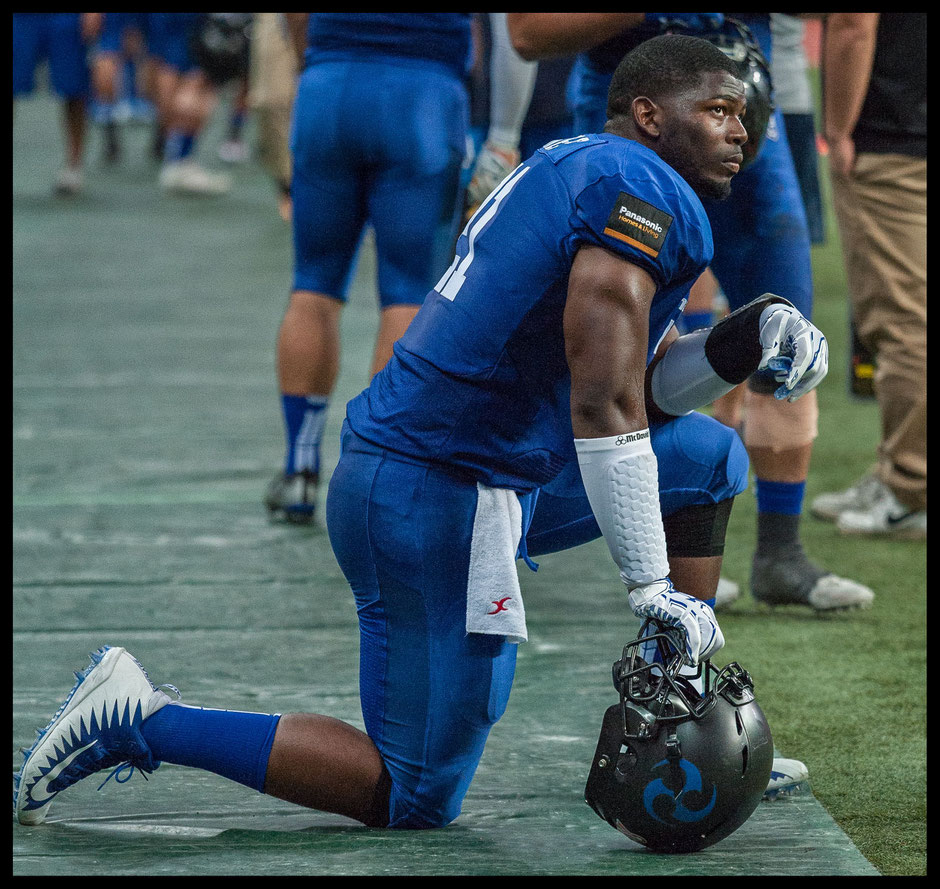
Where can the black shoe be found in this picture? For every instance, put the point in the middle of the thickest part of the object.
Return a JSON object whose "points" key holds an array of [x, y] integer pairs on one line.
{"points": [[293, 497], [158, 144], [112, 143]]}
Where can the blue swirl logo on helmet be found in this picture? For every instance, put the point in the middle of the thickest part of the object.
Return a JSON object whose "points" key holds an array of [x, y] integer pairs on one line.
{"points": [[692, 783]]}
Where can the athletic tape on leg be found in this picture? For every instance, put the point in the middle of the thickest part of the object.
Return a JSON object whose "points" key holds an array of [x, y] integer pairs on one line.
{"points": [[780, 425]]}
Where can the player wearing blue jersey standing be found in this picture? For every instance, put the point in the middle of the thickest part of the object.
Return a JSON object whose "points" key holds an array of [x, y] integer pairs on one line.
{"points": [[541, 397], [186, 98], [120, 58], [378, 140], [62, 39], [761, 243]]}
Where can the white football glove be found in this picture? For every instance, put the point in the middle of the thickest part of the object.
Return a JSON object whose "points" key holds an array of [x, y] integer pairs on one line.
{"points": [[794, 349], [493, 164], [692, 617]]}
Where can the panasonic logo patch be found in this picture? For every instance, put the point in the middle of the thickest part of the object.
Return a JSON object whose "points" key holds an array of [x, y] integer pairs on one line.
{"points": [[639, 224], [625, 211]]}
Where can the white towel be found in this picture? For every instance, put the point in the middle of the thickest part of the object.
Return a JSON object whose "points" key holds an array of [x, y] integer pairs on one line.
{"points": [[494, 600]]}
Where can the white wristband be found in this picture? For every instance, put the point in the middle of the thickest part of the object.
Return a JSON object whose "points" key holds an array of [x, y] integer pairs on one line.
{"points": [[621, 478]]}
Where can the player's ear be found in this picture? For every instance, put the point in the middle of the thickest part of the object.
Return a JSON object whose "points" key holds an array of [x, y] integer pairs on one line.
{"points": [[646, 116]]}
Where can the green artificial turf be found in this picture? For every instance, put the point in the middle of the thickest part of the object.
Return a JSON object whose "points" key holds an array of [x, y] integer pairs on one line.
{"points": [[845, 693]]}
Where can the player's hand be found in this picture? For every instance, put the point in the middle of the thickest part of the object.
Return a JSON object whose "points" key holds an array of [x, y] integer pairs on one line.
{"points": [[692, 617], [841, 156], [795, 351], [493, 165], [693, 21]]}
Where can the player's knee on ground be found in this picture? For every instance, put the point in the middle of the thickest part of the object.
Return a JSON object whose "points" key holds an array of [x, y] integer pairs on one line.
{"points": [[431, 779], [410, 812], [431, 795], [421, 816]]}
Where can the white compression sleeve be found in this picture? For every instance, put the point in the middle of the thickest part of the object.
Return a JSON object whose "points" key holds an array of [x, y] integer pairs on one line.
{"points": [[684, 379], [512, 80], [621, 478]]}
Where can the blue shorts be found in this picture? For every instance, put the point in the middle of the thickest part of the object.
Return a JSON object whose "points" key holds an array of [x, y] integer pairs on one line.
{"points": [[401, 532], [116, 25], [56, 37], [169, 35], [760, 232], [376, 143]]}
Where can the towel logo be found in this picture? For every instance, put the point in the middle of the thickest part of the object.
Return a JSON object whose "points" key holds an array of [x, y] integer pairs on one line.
{"points": [[500, 605]]}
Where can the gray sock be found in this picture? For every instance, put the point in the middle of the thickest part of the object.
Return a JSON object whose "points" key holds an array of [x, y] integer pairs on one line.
{"points": [[781, 572]]}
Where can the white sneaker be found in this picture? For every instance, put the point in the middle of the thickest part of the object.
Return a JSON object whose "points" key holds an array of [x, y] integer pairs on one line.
{"points": [[96, 728], [774, 582], [886, 517], [726, 593], [233, 151], [831, 593], [860, 496], [786, 776], [69, 181], [188, 177]]}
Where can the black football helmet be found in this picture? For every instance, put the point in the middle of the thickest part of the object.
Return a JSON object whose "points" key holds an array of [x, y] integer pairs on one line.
{"points": [[676, 770], [737, 42]]}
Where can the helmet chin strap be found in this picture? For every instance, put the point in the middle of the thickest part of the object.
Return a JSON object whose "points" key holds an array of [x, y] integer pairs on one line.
{"points": [[673, 747]]}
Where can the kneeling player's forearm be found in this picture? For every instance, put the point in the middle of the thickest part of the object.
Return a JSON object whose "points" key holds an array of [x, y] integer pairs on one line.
{"points": [[621, 479], [703, 365]]}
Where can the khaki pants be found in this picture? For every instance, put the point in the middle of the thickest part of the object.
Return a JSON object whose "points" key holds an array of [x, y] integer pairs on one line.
{"points": [[882, 213], [273, 82]]}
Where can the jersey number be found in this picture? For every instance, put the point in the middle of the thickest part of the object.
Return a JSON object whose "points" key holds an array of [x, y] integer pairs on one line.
{"points": [[452, 280]]}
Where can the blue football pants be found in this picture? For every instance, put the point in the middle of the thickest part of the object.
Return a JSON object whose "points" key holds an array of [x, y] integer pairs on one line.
{"points": [[401, 531], [378, 144]]}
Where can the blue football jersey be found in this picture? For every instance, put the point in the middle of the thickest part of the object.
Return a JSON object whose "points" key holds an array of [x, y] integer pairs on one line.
{"points": [[438, 37], [480, 382]]}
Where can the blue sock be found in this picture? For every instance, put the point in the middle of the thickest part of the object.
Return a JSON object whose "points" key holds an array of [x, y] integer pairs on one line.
{"points": [[229, 743], [102, 112], [236, 125], [780, 497], [129, 77], [304, 419], [179, 145], [690, 321]]}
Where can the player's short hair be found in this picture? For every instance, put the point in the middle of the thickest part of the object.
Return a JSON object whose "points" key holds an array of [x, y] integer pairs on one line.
{"points": [[661, 67]]}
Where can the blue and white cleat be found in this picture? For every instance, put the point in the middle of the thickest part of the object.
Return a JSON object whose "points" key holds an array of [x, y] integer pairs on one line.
{"points": [[96, 728], [787, 776]]}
